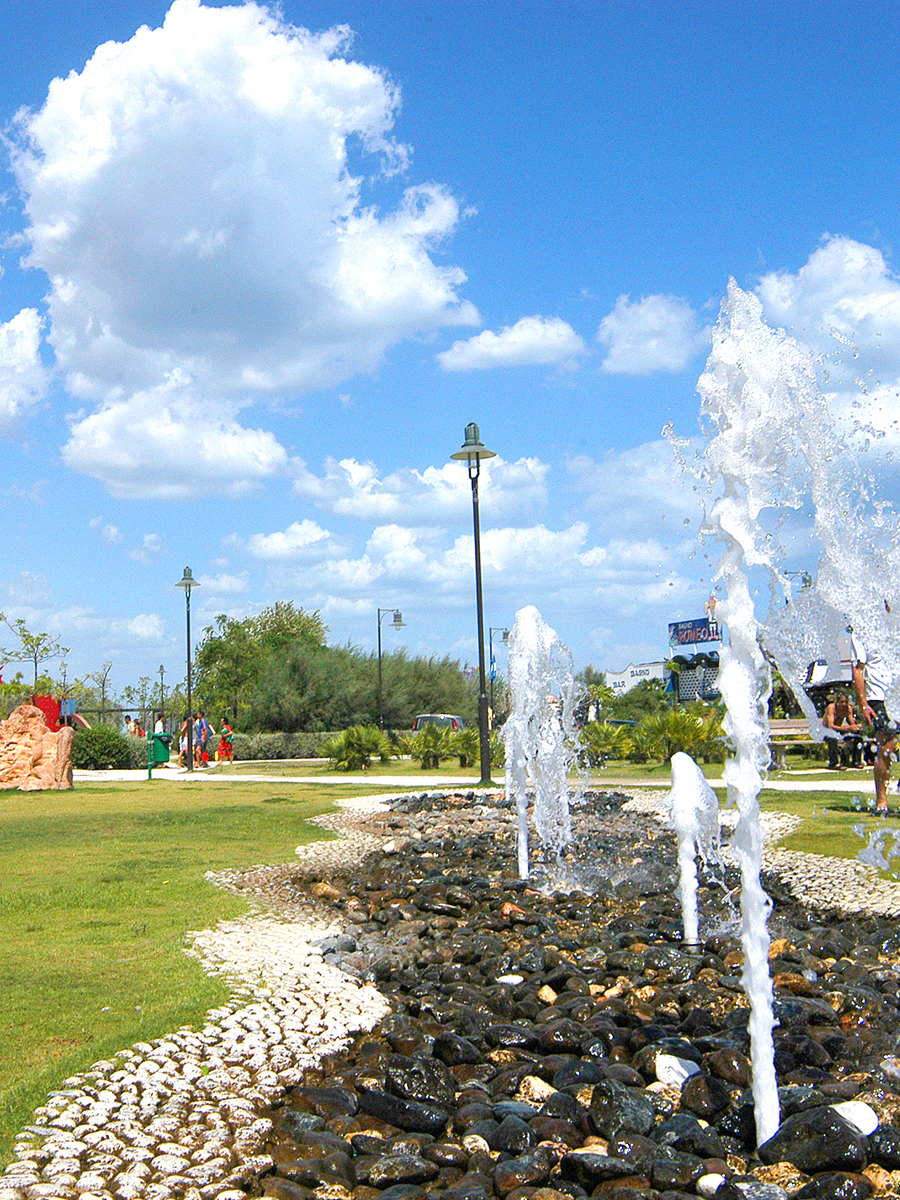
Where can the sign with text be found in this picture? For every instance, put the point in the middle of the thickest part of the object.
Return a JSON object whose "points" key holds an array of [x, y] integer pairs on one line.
{"points": [[693, 633], [624, 681]]}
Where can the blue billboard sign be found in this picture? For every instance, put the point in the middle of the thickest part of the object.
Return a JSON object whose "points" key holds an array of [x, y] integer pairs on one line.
{"points": [[693, 633]]}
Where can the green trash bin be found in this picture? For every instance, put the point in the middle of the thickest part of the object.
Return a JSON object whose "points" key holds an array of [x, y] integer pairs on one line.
{"points": [[159, 748]]}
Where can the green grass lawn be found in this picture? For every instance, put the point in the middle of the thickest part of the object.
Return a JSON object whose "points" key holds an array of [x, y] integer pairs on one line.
{"points": [[100, 886]]}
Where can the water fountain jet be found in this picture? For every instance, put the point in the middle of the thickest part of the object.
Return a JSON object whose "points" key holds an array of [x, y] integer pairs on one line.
{"points": [[539, 735], [694, 815]]}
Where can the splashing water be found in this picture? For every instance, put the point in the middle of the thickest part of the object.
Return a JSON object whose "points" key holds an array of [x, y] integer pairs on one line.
{"points": [[694, 815], [539, 734], [744, 378], [773, 448]]}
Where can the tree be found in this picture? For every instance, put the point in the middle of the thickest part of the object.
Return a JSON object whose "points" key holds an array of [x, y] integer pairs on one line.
{"points": [[35, 648], [234, 654], [101, 679], [140, 697], [596, 694]]}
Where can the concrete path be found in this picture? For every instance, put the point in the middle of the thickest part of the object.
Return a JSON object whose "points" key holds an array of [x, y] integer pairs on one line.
{"points": [[809, 781]]}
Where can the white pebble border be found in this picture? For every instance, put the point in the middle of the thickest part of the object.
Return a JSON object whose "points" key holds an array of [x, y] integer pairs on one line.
{"points": [[179, 1118]]}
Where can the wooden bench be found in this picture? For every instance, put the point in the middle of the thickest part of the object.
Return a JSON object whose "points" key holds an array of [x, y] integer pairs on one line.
{"points": [[785, 732]]}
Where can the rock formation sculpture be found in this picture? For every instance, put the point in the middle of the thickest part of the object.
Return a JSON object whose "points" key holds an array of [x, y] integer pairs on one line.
{"points": [[32, 758]]}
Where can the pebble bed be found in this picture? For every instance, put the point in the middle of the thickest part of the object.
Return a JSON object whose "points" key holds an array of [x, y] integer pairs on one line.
{"points": [[408, 1018]]}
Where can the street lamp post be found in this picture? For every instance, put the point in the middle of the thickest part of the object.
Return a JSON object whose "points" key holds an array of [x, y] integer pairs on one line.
{"points": [[187, 582], [162, 692], [397, 623], [505, 640], [472, 452]]}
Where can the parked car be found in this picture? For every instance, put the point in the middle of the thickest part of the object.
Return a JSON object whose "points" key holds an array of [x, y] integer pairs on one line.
{"points": [[445, 720]]}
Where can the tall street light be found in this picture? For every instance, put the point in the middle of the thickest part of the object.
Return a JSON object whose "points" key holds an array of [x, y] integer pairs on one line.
{"points": [[472, 452], [397, 623], [187, 582], [505, 640], [162, 691]]}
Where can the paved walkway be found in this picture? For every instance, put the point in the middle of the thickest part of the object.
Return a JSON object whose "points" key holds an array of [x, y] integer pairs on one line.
{"points": [[809, 781]]}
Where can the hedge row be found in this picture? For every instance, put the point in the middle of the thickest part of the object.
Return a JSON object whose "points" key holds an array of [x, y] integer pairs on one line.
{"points": [[250, 746], [104, 746]]}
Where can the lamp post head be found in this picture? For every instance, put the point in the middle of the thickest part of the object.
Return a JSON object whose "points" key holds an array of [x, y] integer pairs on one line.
{"points": [[398, 622], [187, 581], [472, 450]]}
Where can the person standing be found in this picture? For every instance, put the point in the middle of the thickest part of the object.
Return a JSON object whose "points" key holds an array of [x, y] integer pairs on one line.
{"points": [[184, 750], [871, 680], [844, 743], [225, 753]]}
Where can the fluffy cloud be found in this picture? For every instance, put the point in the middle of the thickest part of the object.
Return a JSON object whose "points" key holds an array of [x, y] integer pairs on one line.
{"points": [[23, 377], [540, 341], [225, 584], [656, 333], [301, 540], [147, 627], [189, 195], [643, 491], [156, 445], [844, 302], [354, 489]]}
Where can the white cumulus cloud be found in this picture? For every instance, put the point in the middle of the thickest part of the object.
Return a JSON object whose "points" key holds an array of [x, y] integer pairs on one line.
{"points": [[156, 445], [146, 626], [538, 341], [356, 489], [655, 333], [642, 491], [301, 540], [190, 196], [23, 376], [844, 302]]}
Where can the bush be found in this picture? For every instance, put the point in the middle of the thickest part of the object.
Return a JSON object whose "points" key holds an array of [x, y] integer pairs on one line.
{"points": [[353, 749], [697, 733], [465, 744], [600, 740], [260, 746], [101, 747], [428, 747]]}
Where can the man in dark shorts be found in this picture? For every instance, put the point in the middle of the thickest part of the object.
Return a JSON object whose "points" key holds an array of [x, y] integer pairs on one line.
{"points": [[871, 681]]}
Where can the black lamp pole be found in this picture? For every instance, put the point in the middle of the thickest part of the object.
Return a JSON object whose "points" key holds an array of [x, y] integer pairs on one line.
{"points": [[397, 623], [187, 582], [472, 452]]}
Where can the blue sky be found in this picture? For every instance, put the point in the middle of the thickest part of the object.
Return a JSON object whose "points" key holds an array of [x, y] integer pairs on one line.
{"points": [[256, 281]]}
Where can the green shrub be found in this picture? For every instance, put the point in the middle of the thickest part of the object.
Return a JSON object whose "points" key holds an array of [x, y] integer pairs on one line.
{"points": [[600, 740], [465, 744], [692, 731], [101, 747], [428, 747], [353, 749], [498, 751], [250, 746]]}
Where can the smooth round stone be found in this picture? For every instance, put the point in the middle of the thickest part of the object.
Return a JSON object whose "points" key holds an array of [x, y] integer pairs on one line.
{"points": [[707, 1185], [673, 1071], [858, 1114]]}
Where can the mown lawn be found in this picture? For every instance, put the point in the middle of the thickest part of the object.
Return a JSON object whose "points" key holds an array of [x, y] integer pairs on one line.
{"points": [[99, 887]]}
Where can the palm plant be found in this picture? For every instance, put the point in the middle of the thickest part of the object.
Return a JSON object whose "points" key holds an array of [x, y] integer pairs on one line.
{"points": [[353, 749], [465, 744], [600, 740], [428, 747]]}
